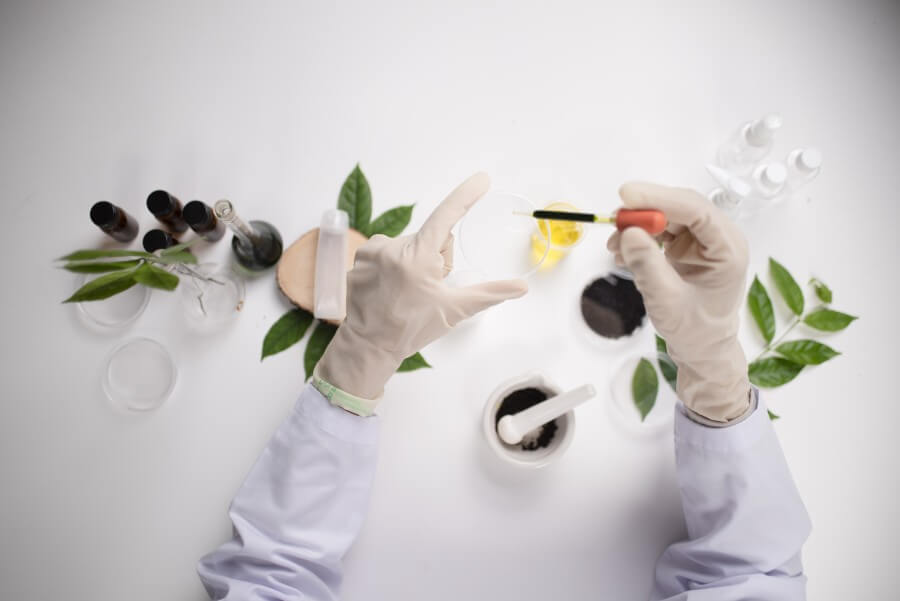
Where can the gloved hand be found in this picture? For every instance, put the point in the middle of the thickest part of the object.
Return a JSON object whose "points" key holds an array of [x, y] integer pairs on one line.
{"points": [[692, 292], [397, 301]]}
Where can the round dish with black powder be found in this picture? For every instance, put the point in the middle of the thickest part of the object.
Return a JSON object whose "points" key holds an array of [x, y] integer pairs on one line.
{"points": [[520, 400], [612, 306]]}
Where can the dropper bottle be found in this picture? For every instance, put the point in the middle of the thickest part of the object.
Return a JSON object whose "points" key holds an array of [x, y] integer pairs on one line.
{"points": [[256, 245], [749, 145]]}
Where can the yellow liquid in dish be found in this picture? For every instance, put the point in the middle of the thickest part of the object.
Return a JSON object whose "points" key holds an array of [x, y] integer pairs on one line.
{"points": [[563, 235]]}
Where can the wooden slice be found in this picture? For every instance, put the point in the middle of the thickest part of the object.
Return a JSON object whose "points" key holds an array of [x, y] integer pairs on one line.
{"points": [[296, 271]]}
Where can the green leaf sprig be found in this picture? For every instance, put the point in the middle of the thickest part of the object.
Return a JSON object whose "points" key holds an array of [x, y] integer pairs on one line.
{"points": [[782, 361], [355, 198], [126, 268]]}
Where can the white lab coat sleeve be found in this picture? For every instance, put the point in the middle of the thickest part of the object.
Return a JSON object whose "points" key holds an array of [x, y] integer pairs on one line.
{"points": [[745, 521], [299, 509]]}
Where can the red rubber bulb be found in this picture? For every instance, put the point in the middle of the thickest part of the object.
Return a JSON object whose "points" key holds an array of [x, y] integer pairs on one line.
{"points": [[652, 221]]}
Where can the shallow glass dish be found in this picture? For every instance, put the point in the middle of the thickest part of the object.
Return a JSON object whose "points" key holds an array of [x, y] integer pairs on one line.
{"points": [[139, 375], [624, 409], [116, 311], [496, 236], [211, 295]]}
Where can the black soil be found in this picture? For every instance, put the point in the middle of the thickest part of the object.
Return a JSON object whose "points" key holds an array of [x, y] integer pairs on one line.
{"points": [[612, 306], [520, 400]]}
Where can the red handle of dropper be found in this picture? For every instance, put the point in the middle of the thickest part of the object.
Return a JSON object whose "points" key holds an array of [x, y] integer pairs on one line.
{"points": [[650, 220]]}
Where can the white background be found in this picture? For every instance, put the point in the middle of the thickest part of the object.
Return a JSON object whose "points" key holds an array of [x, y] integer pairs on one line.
{"points": [[270, 105]]}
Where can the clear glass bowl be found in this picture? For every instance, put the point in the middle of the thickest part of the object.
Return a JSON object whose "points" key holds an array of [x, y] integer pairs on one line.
{"points": [[496, 237], [625, 411], [139, 375], [116, 311], [211, 295]]}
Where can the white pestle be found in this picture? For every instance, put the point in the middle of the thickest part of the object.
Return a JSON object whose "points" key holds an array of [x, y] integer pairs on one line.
{"points": [[512, 428]]}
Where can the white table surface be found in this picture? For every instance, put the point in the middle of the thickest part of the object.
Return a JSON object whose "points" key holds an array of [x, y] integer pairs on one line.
{"points": [[271, 105]]}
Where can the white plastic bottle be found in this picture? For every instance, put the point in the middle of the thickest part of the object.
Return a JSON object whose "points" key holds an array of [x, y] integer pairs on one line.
{"points": [[803, 165], [769, 180], [331, 267], [749, 145]]}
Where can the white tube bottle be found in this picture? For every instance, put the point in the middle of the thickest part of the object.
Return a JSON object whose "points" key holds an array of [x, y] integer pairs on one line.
{"points": [[749, 145], [803, 165], [331, 267]]}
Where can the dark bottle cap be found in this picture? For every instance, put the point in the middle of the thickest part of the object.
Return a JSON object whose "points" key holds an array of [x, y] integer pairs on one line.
{"points": [[197, 214], [157, 239], [161, 202], [104, 214]]}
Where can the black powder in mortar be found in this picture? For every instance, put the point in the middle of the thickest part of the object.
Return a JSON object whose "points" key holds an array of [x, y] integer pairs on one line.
{"points": [[520, 400], [612, 306]]}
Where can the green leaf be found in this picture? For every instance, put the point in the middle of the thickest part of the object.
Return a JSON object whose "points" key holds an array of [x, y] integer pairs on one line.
{"points": [[773, 371], [286, 332], [315, 348], [178, 248], [83, 255], [103, 287], [787, 286], [828, 320], [822, 291], [413, 362], [761, 309], [356, 199], [180, 257], [155, 277], [100, 266], [666, 365], [806, 352], [390, 223], [772, 416], [669, 370], [644, 387], [661, 345]]}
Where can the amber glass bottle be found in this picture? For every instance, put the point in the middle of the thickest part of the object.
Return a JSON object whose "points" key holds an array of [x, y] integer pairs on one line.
{"points": [[157, 239], [202, 220], [114, 221], [167, 209]]}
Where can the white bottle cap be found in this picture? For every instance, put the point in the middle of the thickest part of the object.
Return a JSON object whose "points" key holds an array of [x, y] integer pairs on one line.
{"points": [[809, 159], [335, 220], [762, 131], [773, 175]]}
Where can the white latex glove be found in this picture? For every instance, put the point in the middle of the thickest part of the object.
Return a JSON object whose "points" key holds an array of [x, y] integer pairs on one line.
{"points": [[692, 292], [397, 301]]}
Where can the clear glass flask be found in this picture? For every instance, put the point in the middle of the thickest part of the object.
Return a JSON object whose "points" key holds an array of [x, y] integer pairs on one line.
{"points": [[257, 245]]}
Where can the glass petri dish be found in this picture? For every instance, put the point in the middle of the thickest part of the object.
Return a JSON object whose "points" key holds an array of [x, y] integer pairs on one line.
{"points": [[139, 375], [116, 311], [497, 242], [211, 295], [622, 398]]}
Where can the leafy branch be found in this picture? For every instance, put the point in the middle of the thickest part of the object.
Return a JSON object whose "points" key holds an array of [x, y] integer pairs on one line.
{"points": [[123, 269], [780, 361], [355, 198]]}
